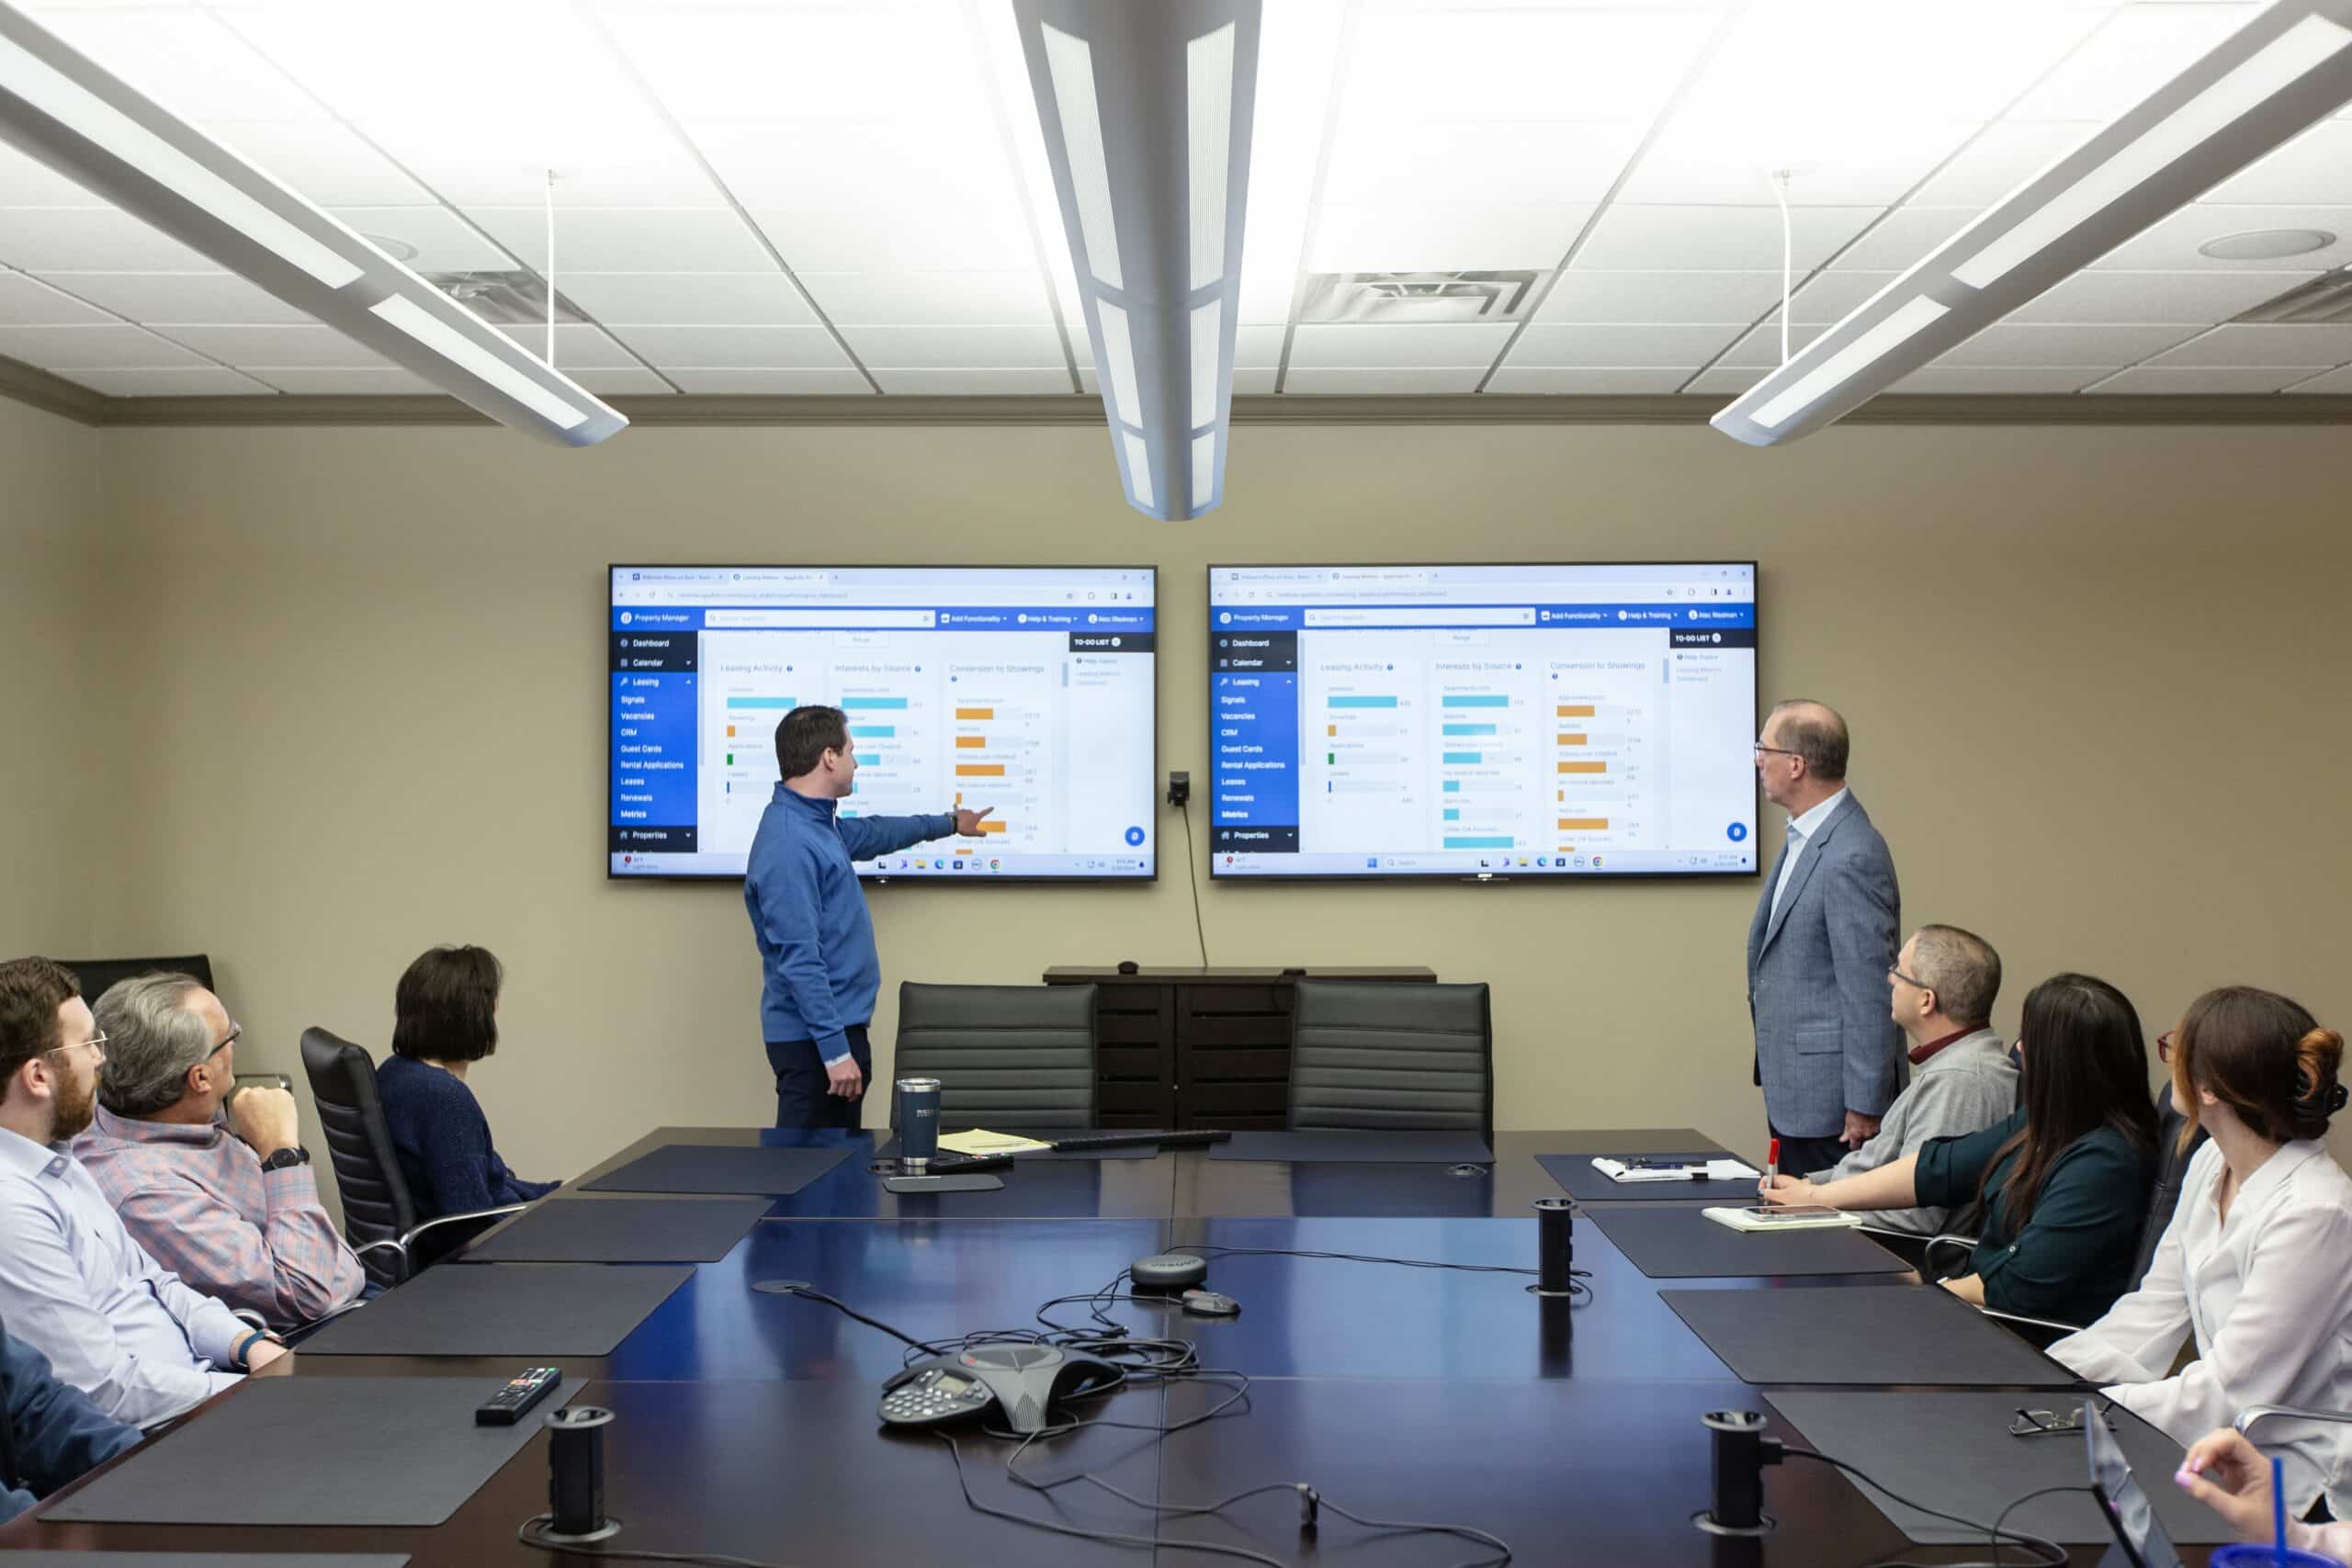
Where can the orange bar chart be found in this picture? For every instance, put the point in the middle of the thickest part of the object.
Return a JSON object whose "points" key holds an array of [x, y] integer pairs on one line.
{"points": [[971, 742], [991, 826], [1572, 739], [1576, 710], [980, 769], [1584, 824], [1584, 767], [975, 713]]}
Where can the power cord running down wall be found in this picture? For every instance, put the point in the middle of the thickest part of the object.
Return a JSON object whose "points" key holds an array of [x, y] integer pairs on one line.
{"points": [[1180, 796]]}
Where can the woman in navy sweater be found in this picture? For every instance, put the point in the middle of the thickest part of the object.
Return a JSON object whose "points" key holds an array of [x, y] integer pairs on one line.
{"points": [[446, 1018]]}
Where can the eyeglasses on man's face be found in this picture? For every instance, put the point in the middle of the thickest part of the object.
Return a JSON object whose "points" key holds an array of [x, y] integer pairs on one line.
{"points": [[236, 1032], [1894, 974], [96, 1044]]}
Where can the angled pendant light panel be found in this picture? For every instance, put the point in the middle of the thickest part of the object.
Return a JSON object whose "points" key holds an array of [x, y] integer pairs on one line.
{"points": [[2289, 66], [1145, 106], [65, 110]]}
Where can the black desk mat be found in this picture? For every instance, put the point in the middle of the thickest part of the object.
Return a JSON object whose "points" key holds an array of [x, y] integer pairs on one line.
{"points": [[888, 1149], [1357, 1148], [503, 1309], [319, 1451], [622, 1230], [1670, 1243], [1894, 1335], [1954, 1452], [1578, 1179], [712, 1169]]}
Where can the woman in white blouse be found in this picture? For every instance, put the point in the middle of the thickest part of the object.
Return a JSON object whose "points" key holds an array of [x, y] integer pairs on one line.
{"points": [[2257, 1260]]}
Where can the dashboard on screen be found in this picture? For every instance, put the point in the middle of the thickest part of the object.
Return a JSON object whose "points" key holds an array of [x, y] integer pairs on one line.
{"points": [[1028, 691], [1483, 721]]}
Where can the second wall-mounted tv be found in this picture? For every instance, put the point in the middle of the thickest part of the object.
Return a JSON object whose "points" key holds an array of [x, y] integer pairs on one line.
{"points": [[1026, 690], [1559, 721]]}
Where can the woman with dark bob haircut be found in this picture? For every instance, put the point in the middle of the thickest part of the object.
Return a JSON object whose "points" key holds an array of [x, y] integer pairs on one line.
{"points": [[445, 1020], [2257, 1262], [2064, 1181]]}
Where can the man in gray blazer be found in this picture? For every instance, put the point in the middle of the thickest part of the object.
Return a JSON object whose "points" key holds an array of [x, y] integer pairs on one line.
{"points": [[1818, 951]]}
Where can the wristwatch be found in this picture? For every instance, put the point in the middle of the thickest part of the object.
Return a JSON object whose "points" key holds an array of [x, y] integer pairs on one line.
{"points": [[281, 1158]]}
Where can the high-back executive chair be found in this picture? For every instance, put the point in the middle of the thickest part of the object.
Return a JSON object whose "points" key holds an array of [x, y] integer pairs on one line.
{"points": [[1010, 1058], [1377, 1054]]}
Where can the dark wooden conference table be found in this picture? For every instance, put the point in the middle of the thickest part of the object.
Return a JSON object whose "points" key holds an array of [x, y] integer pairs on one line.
{"points": [[745, 1421]]}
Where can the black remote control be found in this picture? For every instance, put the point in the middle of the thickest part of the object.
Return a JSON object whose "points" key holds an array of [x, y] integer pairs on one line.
{"points": [[506, 1406]]}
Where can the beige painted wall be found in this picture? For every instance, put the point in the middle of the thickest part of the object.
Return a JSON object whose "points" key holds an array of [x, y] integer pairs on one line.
{"points": [[2096, 680], [52, 645]]}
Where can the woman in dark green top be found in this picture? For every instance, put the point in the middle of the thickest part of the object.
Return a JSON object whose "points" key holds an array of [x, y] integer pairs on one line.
{"points": [[2064, 1181]]}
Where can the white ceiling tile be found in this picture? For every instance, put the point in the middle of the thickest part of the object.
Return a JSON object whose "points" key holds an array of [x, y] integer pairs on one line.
{"points": [[212, 296], [383, 380], [1760, 349], [1726, 380], [971, 381], [1012, 297], [2010, 343], [580, 345], [1832, 297], [1299, 44], [2200, 298], [1372, 345], [442, 241], [1735, 297], [1471, 163], [2333, 381], [1427, 379], [2315, 167], [734, 348], [26, 181], [637, 383], [2170, 244], [286, 346], [688, 298], [27, 302], [1635, 346], [1973, 380], [1254, 348], [1253, 383], [329, 163], [1905, 236], [1634, 238], [868, 60], [953, 347], [187, 381], [1493, 236], [2313, 346], [110, 347], [2139, 49], [2200, 378], [2004, 156], [1617, 65], [56, 239], [1695, 162], [1590, 383], [625, 239], [188, 62], [750, 382]]}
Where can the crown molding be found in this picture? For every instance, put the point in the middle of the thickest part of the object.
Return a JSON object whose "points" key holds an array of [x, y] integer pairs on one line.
{"points": [[56, 395]]}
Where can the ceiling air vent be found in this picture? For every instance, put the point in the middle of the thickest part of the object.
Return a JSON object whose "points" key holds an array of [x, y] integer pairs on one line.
{"points": [[505, 298], [2328, 298], [1418, 297]]}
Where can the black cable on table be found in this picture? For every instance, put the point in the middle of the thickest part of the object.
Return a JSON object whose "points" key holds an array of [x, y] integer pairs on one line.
{"points": [[528, 1535], [2056, 1557], [1200, 1249]]}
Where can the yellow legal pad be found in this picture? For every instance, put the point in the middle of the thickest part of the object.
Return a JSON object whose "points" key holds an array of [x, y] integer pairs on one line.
{"points": [[979, 1141]]}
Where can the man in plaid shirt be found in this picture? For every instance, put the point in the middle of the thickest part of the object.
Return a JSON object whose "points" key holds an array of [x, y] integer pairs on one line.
{"points": [[226, 1203]]}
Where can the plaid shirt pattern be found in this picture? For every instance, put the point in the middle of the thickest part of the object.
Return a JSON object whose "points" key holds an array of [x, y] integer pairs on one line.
{"points": [[197, 1200]]}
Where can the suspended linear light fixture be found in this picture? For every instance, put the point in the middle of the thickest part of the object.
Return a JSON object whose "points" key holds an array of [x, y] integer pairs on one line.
{"points": [[65, 110], [1146, 111], [2288, 67]]}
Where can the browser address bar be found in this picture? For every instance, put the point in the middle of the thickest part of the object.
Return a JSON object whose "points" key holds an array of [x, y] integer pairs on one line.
{"points": [[1431, 616], [847, 618]]}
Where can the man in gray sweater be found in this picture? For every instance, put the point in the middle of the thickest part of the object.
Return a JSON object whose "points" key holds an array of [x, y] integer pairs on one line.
{"points": [[1942, 987]]}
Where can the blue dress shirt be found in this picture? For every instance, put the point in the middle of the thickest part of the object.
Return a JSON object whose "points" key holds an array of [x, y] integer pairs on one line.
{"points": [[820, 971]]}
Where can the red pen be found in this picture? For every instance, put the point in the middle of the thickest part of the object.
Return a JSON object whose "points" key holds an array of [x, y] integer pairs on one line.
{"points": [[1771, 1163]]}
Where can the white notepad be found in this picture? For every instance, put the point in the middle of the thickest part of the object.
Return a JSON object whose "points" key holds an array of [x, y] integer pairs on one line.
{"points": [[1746, 1220], [1697, 1170]]}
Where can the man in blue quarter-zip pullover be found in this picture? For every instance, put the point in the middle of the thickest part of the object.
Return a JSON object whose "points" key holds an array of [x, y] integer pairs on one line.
{"points": [[818, 968]]}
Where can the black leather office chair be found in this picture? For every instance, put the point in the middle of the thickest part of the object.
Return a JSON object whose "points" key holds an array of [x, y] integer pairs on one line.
{"points": [[98, 974], [1011, 1058], [1372, 1054], [379, 1216]]}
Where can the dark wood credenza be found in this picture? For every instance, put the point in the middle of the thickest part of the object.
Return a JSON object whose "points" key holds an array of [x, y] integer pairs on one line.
{"points": [[1192, 1047]]}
